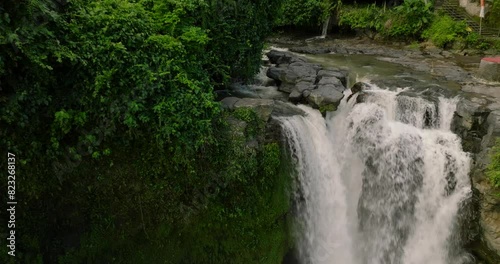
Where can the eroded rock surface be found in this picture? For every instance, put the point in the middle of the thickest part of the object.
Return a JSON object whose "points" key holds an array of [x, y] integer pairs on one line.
{"points": [[306, 82]]}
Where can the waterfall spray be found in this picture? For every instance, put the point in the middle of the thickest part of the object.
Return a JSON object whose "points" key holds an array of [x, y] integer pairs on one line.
{"points": [[381, 181]]}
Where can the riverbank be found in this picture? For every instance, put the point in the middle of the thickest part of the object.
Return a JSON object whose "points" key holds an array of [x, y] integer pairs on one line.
{"points": [[459, 66]]}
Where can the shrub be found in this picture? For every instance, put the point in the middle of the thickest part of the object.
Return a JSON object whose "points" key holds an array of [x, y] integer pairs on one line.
{"points": [[473, 39], [493, 16], [406, 21], [444, 31], [109, 106], [409, 19], [366, 19], [300, 13], [305, 13]]}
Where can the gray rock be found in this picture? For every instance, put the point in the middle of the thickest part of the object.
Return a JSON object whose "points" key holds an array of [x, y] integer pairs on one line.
{"points": [[303, 69], [276, 73], [489, 201], [286, 87], [281, 74], [304, 85], [311, 50], [359, 87], [309, 79], [331, 81], [340, 50], [286, 109], [228, 102], [306, 93], [289, 75], [281, 57], [340, 74], [489, 70], [446, 54], [325, 95], [263, 107], [295, 96]]}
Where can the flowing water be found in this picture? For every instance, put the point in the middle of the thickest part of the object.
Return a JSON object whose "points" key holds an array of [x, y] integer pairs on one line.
{"points": [[324, 30], [380, 181]]}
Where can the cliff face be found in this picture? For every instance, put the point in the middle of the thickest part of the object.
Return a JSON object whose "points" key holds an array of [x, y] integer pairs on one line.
{"points": [[478, 124], [476, 121]]}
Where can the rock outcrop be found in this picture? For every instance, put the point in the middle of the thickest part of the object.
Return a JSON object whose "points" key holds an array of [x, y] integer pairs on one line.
{"points": [[477, 122], [489, 69], [306, 82], [264, 108]]}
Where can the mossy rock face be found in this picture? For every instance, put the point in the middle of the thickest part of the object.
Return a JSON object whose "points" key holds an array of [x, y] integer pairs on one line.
{"points": [[479, 128], [229, 204], [327, 108]]}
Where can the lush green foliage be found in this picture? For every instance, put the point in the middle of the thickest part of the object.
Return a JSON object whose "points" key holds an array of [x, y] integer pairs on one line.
{"points": [[493, 17], [305, 13], [406, 21], [234, 211], [444, 31], [409, 19], [493, 169], [109, 107], [365, 19]]}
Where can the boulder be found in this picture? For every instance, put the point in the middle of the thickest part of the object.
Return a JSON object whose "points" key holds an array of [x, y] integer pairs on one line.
{"points": [[263, 107], [304, 85], [282, 57], [286, 109], [306, 93], [470, 123], [332, 81], [489, 69], [276, 73], [325, 95], [287, 76], [304, 70], [340, 74], [228, 102], [295, 96], [359, 87]]}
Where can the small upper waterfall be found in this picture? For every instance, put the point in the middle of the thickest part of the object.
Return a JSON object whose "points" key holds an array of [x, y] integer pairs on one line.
{"points": [[380, 181], [324, 31]]}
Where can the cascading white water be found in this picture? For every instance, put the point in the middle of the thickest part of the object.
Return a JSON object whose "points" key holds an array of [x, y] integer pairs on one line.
{"points": [[381, 181], [324, 31]]}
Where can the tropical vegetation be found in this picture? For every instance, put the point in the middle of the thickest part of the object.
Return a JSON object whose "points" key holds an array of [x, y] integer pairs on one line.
{"points": [[124, 155]]}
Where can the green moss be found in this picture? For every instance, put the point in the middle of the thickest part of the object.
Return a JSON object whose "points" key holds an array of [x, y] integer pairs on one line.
{"points": [[245, 114], [271, 160], [493, 169], [327, 108], [231, 208]]}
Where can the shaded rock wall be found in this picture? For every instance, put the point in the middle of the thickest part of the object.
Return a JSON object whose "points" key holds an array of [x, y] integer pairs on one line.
{"points": [[478, 125]]}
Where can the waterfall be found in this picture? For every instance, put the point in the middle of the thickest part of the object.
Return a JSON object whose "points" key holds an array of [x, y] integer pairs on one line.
{"points": [[379, 181], [325, 27]]}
